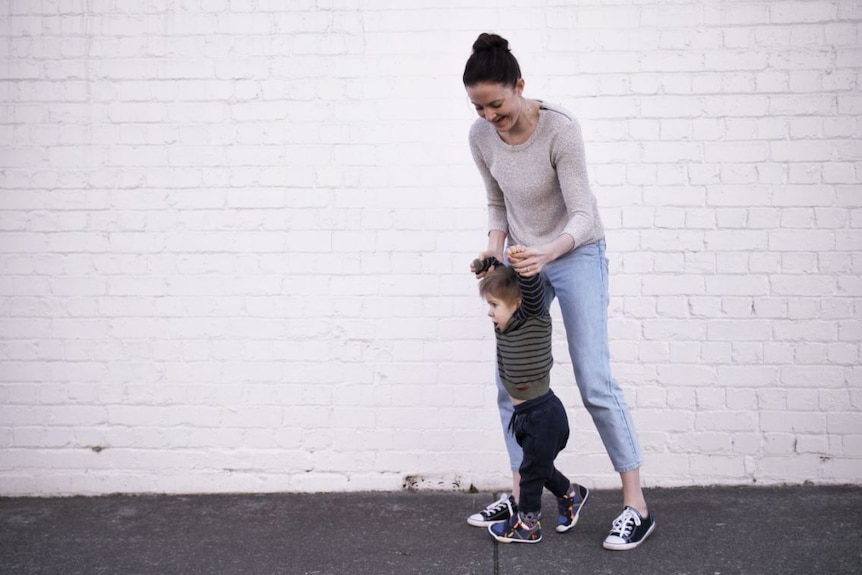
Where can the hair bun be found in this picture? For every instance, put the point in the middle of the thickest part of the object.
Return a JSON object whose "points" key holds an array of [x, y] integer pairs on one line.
{"points": [[491, 61], [487, 41]]}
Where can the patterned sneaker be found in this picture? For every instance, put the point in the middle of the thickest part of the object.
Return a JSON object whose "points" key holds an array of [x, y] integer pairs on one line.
{"points": [[569, 508], [513, 531], [500, 510], [629, 530]]}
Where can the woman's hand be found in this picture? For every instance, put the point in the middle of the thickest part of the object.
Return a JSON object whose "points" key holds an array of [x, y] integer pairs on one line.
{"points": [[482, 257], [528, 261], [496, 241]]}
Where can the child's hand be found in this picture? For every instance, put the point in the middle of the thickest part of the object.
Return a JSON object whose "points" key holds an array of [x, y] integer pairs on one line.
{"points": [[516, 253]]}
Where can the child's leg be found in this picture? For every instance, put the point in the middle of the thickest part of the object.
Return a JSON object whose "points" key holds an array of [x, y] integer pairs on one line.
{"points": [[559, 484], [533, 477], [542, 435]]}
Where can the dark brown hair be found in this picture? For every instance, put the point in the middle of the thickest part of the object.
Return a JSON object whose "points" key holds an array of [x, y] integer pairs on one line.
{"points": [[502, 283], [491, 61]]}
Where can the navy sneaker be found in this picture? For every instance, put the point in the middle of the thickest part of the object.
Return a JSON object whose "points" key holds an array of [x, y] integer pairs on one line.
{"points": [[629, 530], [513, 531], [500, 510], [569, 507]]}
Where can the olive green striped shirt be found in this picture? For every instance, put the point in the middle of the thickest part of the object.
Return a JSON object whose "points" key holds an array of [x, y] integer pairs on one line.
{"points": [[524, 357]]}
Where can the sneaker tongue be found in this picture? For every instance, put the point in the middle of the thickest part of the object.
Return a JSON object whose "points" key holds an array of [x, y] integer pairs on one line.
{"points": [[635, 511]]}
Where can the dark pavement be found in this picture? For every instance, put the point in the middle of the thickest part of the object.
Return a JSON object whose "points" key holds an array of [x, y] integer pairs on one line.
{"points": [[709, 531]]}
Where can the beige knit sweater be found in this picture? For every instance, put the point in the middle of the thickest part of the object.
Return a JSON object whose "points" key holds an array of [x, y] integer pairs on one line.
{"points": [[538, 190]]}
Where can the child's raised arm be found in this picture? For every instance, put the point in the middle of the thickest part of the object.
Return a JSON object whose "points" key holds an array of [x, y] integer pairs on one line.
{"points": [[532, 288]]}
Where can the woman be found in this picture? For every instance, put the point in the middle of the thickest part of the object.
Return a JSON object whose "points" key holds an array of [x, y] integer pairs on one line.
{"points": [[531, 157]]}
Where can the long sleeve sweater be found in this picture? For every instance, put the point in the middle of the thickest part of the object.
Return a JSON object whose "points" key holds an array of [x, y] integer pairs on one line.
{"points": [[538, 190], [524, 357]]}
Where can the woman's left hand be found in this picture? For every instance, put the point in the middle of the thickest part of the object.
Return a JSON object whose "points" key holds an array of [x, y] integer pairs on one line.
{"points": [[527, 261]]}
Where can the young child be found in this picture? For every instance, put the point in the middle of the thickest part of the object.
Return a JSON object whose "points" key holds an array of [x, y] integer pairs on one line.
{"points": [[522, 324]]}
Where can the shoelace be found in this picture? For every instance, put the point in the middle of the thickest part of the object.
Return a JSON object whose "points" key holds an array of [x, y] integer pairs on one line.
{"points": [[625, 523], [503, 502]]}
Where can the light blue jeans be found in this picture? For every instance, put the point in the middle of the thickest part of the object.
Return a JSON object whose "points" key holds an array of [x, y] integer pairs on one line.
{"points": [[579, 280]]}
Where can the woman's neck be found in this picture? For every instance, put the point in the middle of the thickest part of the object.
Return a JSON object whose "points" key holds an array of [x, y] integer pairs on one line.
{"points": [[525, 126]]}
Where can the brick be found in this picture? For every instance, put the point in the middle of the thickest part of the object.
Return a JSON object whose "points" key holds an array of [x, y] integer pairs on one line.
{"points": [[799, 263], [725, 420], [839, 173], [796, 12], [810, 376], [733, 330], [735, 59], [792, 422], [737, 285], [736, 14], [779, 443], [804, 286], [812, 444], [661, 329]]}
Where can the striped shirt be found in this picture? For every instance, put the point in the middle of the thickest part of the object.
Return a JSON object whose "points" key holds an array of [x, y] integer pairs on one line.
{"points": [[524, 357]]}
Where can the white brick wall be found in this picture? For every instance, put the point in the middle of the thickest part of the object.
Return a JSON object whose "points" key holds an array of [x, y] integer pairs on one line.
{"points": [[234, 238]]}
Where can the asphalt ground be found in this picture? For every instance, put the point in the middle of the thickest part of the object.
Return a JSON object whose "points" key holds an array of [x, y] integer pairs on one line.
{"points": [[801, 530]]}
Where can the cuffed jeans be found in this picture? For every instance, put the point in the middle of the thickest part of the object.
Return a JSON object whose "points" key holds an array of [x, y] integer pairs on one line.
{"points": [[541, 428], [579, 280]]}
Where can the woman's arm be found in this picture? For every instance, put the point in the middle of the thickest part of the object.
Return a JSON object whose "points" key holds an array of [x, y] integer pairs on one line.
{"points": [[497, 223], [567, 155], [570, 163], [496, 242]]}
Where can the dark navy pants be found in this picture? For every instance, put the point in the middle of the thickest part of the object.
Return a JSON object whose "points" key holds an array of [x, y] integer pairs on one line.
{"points": [[541, 428]]}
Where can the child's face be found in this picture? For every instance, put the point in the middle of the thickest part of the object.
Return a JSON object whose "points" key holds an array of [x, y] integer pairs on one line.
{"points": [[500, 311]]}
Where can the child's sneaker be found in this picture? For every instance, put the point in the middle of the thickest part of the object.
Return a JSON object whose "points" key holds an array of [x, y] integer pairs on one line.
{"points": [[569, 508], [500, 510], [513, 531], [629, 530]]}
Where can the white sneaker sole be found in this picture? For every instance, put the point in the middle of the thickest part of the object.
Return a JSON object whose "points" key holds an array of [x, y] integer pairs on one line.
{"points": [[507, 540]]}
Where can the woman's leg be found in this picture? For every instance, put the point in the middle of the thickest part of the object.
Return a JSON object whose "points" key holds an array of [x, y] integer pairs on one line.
{"points": [[633, 494], [579, 280], [516, 454]]}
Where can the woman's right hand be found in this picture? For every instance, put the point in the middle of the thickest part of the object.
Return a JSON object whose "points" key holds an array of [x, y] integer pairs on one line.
{"points": [[482, 257]]}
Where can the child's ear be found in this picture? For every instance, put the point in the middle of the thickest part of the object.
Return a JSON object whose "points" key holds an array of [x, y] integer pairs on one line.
{"points": [[517, 303]]}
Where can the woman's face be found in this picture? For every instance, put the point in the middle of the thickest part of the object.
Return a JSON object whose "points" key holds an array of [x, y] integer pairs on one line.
{"points": [[498, 103]]}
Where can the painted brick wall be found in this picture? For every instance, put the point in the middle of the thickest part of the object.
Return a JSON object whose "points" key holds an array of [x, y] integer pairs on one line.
{"points": [[234, 239]]}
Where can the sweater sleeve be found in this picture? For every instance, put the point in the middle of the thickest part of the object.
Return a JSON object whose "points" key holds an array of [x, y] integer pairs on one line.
{"points": [[570, 162], [532, 296], [497, 219]]}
